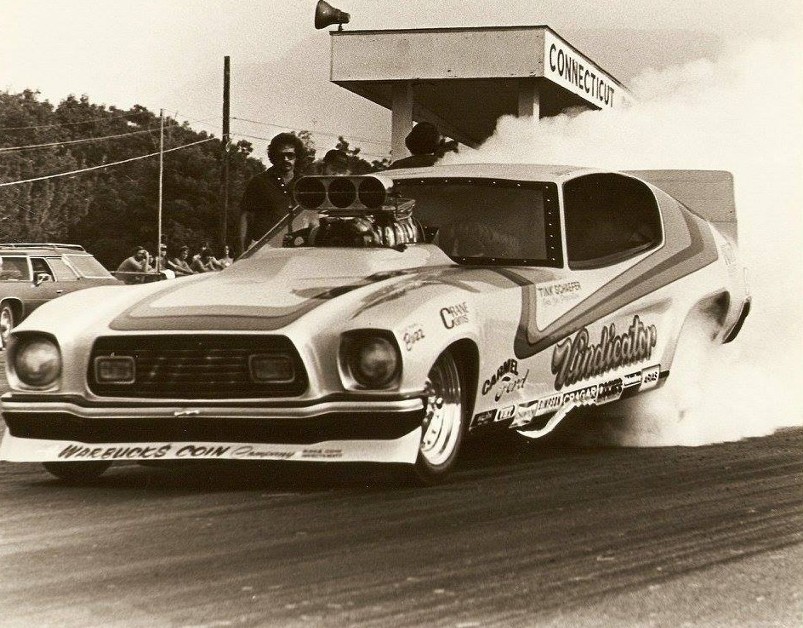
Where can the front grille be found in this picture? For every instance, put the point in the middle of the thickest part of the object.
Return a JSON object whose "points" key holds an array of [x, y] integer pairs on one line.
{"points": [[196, 367]]}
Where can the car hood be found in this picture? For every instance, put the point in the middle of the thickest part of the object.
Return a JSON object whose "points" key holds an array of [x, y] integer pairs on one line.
{"points": [[275, 288]]}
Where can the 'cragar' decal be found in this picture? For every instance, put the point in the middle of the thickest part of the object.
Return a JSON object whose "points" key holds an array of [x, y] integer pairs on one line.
{"points": [[575, 359]]}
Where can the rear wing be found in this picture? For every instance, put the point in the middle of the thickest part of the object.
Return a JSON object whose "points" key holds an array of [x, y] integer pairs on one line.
{"points": [[707, 193]]}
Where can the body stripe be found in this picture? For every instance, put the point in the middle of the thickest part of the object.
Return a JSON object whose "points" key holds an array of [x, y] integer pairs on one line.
{"points": [[689, 247]]}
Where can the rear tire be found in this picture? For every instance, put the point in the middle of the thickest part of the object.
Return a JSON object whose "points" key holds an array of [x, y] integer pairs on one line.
{"points": [[77, 472], [7, 323], [444, 422]]}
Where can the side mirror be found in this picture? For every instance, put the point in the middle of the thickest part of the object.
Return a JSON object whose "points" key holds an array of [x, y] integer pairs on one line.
{"points": [[40, 278]]}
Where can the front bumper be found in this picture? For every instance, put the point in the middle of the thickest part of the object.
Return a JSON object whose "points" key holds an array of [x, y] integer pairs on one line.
{"points": [[72, 429]]}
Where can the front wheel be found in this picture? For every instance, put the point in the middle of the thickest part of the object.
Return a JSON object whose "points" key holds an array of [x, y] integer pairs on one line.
{"points": [[6, 323], [444, 421], [77, 472]]}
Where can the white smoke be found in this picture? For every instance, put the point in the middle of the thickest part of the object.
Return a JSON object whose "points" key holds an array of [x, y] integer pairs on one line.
{"points": [[741, 113]]}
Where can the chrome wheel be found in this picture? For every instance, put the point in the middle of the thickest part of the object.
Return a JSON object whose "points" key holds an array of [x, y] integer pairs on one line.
{"points": [[6, 323], [443, 423]]}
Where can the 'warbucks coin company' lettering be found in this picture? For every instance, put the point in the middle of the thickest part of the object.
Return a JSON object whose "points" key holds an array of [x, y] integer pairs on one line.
{"points": [[575, 359]]}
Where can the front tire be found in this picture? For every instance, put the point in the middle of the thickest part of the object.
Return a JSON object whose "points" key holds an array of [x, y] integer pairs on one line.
{"points": [[7, 323], [444, 423], [77, 472]]}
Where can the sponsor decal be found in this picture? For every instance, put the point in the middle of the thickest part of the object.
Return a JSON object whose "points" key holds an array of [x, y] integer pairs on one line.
{"points": [[321, 454], [649, 377], [582, 396], [483, 418], [509, 384], [412, 335], [506, 413], [555, 298], [576, 359], [509, 366], [549, 404], [631, 380], [525, 413], [140, 452], [610, 391], [254, 452], [557, 291], [454, 315]]}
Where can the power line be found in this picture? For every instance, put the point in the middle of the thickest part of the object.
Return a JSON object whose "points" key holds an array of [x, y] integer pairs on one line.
{"points": [[113, 163], [313, 131], [87, 121], [267, 139], [5, 149]]}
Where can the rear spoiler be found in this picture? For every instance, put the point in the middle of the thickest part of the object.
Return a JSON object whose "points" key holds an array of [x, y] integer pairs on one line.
{"points": [[707, 193]]}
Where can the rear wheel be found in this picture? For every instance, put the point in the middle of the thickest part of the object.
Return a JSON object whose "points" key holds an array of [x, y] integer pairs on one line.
{"points": [[444, 422], [77, 471], [6, 323]]}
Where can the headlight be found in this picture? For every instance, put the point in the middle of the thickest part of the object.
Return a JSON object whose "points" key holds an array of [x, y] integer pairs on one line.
{"points": [[37, 361], [371, 358]]}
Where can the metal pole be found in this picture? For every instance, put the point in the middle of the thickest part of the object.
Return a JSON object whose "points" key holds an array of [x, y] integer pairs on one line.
{"points": [[224, 181], [161, 185]]}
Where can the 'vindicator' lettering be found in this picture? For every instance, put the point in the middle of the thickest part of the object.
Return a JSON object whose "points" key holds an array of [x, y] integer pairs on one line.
{"points": [[575, 359]]}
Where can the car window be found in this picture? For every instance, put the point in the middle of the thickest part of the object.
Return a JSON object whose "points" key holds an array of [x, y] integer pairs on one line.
{"points": [[488, 220], [87, 266], [609, 218], [40, 267], [63, 272], [15, 268]]}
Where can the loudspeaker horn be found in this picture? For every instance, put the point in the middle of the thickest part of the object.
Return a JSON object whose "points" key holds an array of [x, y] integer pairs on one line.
{"points": [[326, 15]]}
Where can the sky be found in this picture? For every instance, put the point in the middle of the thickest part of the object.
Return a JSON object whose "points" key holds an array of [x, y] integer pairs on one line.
{"points": [[168, 54]]}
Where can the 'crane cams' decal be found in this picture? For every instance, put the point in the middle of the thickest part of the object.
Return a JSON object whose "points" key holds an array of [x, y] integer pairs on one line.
{"points": [[575, 359]]}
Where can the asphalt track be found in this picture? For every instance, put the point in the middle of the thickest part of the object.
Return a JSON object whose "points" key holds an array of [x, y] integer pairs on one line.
{"points": [[549, 535]]}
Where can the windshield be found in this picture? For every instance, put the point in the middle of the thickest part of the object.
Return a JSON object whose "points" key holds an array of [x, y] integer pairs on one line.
{"points": [[476, 221], [488, 220], [88, 266]]}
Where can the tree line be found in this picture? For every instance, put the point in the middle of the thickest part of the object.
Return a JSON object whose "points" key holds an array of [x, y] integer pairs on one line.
{"points": [[110, 210]]}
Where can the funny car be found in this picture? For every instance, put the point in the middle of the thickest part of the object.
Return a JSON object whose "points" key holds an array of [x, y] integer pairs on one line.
{"points": [[388, 319]]}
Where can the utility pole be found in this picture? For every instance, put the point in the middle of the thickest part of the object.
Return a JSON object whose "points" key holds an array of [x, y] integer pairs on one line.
{"points": [[161, 185], [224, 169]]}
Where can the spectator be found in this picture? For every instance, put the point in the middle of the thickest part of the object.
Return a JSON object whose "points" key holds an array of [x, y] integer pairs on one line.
{"points": [[335, 162], [178, 263], [203, 263], [423, 142], [137, 263], [268, 195], [227, 259]]}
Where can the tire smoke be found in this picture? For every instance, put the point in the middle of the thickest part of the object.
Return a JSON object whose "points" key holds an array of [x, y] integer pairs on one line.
{"points": [[739, 113]]}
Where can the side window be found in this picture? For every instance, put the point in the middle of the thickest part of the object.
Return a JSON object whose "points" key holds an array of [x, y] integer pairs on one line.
{"points": [[63, 272], [39, 265], [609, 218], [14, 269]]}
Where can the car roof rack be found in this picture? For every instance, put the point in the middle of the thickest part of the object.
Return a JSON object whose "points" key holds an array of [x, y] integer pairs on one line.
{"points": [[41, 245]]}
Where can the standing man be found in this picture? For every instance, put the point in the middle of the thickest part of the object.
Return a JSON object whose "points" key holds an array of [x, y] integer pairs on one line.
{"points": [[268, 195], [423, 142]]}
